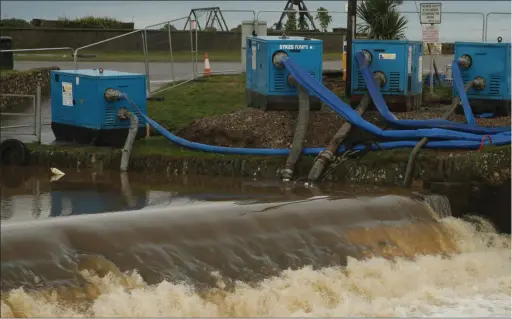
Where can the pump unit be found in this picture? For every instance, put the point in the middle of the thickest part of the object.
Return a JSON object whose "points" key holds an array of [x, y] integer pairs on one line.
{"points": [[268, 83], [399, 63], [488, 66], [81, 113]]}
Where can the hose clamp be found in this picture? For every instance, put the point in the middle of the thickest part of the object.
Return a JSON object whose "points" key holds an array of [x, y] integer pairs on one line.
{"points": [[286, 174], [325, 156]]}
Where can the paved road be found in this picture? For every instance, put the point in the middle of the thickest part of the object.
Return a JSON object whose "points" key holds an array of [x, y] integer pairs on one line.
{"points": [[159, 73]]}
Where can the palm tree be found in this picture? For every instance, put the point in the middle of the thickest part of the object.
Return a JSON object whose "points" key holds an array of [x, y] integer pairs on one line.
{"points": [[381, 19]]}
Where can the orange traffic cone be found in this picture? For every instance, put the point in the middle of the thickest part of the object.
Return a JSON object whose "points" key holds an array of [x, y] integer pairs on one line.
{"points": [[207, 71]]}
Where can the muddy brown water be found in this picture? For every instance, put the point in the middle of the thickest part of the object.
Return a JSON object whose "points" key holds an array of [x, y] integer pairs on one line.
{"points": [[111, 244]]}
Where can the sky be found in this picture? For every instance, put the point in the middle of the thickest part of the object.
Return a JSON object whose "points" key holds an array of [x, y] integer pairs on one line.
{"points": [[454, 27]]}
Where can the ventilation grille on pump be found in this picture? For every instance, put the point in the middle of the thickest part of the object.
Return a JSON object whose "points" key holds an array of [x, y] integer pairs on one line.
{"points": [[361, 84], [280, 81], [111, 115], [494, 85], [394, 81]]}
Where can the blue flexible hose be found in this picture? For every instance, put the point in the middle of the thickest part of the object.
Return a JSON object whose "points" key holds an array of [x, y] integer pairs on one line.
{"points": [[434, 123], [458, 144], [329, 98]]}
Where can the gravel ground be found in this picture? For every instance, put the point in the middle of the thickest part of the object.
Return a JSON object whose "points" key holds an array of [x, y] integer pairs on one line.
{"points": [[255, 128]]}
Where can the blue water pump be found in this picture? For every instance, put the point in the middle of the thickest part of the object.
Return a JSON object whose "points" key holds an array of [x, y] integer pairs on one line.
{"points": [[488, 66], [399, 64], [268, 83], [81, 113]]}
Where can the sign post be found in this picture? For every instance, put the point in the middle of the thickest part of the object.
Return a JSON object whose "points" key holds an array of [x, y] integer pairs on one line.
{"points": [[430, 16]]}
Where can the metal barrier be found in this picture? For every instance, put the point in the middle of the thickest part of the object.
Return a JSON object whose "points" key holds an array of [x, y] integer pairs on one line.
{"points": [[242, 67], [487, 21], [193, 53], [40, 49], [36, 113], [194, 50], [75, 54]]}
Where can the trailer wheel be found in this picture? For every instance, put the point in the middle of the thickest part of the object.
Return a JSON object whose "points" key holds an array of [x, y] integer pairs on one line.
{"points": [[13, 152]]}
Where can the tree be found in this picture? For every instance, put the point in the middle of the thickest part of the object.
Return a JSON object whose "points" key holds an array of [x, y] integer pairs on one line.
{"points": [[237, 29], [165, 27], [291, 22], [14, 23], [381, 19], [324, 18], [303, 23], [210, 29]]}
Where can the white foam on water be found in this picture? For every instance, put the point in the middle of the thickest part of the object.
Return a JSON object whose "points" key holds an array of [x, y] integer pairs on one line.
{"points": [[474, 282]]}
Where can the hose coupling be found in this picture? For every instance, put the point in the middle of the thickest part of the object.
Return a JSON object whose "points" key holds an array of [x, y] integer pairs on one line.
{"points": [[465, 61], [479, 83], [368, 56], [112, 95], [325, 156], [380, 78], [123, 114], [278, 58], [286, 174]]}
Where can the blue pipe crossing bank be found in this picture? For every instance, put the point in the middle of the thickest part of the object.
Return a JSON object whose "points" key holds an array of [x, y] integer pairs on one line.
{"points": [[439, 138]]}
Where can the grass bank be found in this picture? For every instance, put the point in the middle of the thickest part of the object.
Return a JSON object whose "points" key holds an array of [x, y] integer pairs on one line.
{"points": [[217, 95], [5, 73], [157, 56], [197, 99]]}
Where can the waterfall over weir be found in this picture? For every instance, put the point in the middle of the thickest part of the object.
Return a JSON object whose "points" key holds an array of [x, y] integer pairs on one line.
{"points": [[384, 256]]}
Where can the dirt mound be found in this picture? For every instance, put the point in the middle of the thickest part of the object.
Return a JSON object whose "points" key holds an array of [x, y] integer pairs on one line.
{"points": [[275, 129]]}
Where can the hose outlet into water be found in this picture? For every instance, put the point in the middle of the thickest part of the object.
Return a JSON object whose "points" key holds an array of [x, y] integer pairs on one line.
{"points": [[478, 83], [300, 134], [124, 114], [465, 61]]}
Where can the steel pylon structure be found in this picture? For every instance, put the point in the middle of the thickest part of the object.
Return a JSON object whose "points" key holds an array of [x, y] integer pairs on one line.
{"points": [[302, 7], [213, 18]]}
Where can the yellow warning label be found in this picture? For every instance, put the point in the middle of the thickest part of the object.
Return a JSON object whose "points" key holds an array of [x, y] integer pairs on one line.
{"points": [[387, 56]]}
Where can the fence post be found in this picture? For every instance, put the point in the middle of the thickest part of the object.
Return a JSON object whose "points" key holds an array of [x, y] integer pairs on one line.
{"points": [[38, 114], [146, 60], [170, 50]]}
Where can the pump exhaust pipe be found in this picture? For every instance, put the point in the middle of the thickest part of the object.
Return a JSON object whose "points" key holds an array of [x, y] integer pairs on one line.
{"points": [[242, 241]]}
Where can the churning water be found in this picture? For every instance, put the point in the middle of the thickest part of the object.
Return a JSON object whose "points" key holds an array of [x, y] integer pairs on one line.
{"points": [[360, 256]]}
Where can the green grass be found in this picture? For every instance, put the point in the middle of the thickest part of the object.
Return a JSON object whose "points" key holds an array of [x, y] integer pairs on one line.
{"points": [[442, 92], [157, 56], [197, 99], [8, 72], [201, 98]]}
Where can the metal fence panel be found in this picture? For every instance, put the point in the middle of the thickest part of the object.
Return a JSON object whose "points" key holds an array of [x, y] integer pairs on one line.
{"points": [[36, 114]]}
